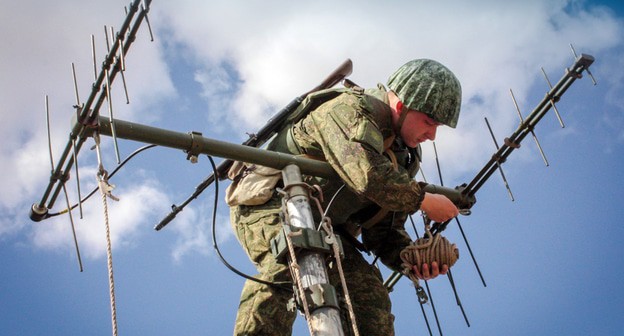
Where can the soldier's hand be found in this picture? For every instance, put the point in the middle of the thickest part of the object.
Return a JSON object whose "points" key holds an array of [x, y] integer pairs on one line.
{"points": [[429, 273], [438, 207]]}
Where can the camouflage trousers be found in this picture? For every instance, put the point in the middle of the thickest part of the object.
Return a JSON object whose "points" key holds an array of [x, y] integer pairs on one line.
{"points": [[262, 309]]}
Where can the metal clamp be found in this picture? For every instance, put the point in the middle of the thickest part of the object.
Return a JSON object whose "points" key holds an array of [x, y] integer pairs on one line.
{"points": [[302, 239], [320, 296], [194, 151]]}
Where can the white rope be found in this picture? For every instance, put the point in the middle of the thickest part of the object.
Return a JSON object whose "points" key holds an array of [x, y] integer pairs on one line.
{"points": [[105, 190], [294, 267], [331, 239]]}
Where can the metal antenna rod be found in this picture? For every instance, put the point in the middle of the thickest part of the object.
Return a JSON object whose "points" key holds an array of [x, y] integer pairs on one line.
{"points": [[149, 26], [106, 37], [110, 100], [497, 160], [75, 85], [435, 313], [47, 109], [474, 260], [552, 101], [75, 156], [73, 228], [74, 152], [531, 129], [122, 55], [71, 218], [461, 307], [422, 308], [450, 278], [435, 151], [95, 75], [111, 117], [120, 62]]}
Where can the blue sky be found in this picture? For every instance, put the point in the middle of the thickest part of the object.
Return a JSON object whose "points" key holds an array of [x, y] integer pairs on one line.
{"points": [[551, 259]]}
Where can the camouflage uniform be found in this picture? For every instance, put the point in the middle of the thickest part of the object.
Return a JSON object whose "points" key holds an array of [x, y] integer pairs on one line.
{"points": [[348, 132]]}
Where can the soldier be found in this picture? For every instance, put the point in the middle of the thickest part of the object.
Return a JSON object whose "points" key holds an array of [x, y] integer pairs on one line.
{"points": [[371, 138]]}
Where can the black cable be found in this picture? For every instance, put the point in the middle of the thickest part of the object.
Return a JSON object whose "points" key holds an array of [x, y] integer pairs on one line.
{"points": [[109, 176], [277, 285], [331, 201]]}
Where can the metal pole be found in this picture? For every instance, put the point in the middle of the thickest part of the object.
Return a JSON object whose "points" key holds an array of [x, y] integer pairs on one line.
{"points": [[324, 320], [202, 145], [196, 144]]}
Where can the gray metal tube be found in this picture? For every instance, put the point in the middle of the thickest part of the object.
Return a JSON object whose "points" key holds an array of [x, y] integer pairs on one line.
{"points": [[198, 144], [201, 145]]}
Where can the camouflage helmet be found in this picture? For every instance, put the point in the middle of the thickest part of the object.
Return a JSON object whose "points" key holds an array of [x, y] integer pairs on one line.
{"points": [[427, 86]]}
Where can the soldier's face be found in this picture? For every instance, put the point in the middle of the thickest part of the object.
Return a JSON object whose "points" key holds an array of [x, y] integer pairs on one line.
{"points": [[418, 128]]}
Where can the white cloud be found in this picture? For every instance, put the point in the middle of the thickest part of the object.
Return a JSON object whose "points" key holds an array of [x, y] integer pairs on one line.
{"points": [[126, 217], [193, 228]]}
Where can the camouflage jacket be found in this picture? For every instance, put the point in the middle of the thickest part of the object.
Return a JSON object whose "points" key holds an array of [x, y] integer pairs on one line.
{"points": [[348, 132]]}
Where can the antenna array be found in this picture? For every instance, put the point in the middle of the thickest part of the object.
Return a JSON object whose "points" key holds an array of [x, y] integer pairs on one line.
{"points": [[117, 44]]}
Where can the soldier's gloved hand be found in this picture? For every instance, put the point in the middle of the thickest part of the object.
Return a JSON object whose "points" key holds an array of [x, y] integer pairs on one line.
{"points": [[438, 207], [429, 273]]}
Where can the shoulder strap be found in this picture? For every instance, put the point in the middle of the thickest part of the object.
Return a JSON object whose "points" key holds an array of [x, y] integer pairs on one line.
{"points": [[383, 211]]}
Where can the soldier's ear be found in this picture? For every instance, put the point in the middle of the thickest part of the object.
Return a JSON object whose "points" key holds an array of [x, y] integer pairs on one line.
{"points": [[399, 107]]}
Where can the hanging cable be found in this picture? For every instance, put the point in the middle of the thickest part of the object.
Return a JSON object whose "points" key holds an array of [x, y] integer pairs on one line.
{"points": [[139, 150], [277, 285]]}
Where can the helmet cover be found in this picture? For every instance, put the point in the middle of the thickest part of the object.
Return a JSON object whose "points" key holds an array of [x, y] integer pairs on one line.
{"points": [[429, 87]]}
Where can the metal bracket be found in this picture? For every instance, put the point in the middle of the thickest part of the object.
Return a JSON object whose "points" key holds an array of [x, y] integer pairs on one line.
{"points": [[321, 295], [195, 150], [317, 296], [302, 239]]}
